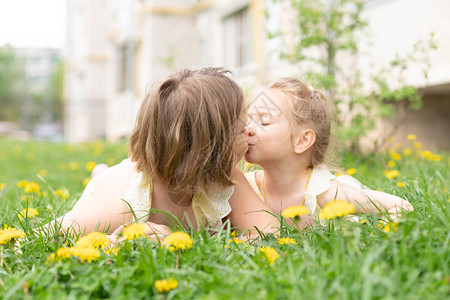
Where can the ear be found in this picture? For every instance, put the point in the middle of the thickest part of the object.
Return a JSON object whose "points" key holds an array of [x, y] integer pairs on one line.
{"points": [[304, 140]]}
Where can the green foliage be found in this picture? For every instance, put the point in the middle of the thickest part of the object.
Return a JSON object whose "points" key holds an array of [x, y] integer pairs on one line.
{"points": [[343, 260], [56, 86], [11, 74], [328, 29]]}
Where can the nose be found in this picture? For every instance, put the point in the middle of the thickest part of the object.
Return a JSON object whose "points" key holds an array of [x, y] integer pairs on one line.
{"points": [[250, 130]]}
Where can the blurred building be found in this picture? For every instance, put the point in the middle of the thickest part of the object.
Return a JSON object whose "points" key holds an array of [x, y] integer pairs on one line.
{"points": [[117, 47], [40, 64]]}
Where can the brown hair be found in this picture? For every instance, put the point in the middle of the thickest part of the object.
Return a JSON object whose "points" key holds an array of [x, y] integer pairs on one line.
{"points": [[185, 130], [308, 106]]}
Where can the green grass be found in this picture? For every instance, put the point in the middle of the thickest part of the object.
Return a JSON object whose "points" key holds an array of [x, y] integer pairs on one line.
{"points": [[341, 261]]}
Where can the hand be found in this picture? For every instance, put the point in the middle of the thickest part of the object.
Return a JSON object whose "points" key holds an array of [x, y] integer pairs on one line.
{"points": [[155, 232]]}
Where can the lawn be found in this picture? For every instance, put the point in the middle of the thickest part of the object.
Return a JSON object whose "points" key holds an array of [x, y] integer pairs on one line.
{"points": [[343, 260]]}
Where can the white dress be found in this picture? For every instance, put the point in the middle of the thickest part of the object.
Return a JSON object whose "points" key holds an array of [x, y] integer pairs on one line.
{"points": [[209, 209], [319, 182]]}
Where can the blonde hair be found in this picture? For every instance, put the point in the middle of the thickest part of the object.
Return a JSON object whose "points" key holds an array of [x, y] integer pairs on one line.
{"points": [[186, 130], [308, 106]]}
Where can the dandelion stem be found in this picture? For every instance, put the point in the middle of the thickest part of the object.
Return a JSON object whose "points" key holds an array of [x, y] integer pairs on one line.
{"points": [[3, 262], [176, 261]]}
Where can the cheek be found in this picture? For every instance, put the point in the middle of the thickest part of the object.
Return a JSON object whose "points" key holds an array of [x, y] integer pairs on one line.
{"points": [[241, 143]]}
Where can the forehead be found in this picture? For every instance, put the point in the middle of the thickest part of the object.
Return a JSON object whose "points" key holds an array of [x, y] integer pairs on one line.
{"points": [[267, 101]]}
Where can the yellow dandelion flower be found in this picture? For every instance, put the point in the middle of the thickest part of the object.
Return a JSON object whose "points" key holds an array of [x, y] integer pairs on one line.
{"points": [[17, 150], [61, 193], [10, 233], [85, 254], [90, 166], [22, 184], [336, 208], [134, 231], [391, 174], [426, 154], [86, 181], [286, 241], [391, 227], [43, 172], [233, 233], [111, 161], [407, 152], [73, 166], [411, 137], [434, 157], [31, 187], [98, 239], [235, 241], [43, 194], [400, 184], [178, 241], [248, 165], [165, 285], [351, 171], [270, 254], [85, 242], [417, 145], [396, 156], [97, 151], [63, 253], [295, 211], [391, 164], [2, 185], [112, 251], [27, 213], [51, 258], [69, 148]]}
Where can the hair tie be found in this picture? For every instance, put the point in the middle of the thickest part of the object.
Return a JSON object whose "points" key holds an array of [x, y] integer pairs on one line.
{"points": [[310, 88]]}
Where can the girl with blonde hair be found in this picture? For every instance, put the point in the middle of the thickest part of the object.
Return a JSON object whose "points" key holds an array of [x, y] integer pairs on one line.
{"points": [[289, 127]]}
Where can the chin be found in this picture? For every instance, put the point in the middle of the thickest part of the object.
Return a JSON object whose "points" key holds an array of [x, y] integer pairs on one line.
{"points": [[248, 158]]}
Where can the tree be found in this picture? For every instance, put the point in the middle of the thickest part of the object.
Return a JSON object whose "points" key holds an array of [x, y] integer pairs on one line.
{"points": [[327, 29], [11, 79], [55, 88]]}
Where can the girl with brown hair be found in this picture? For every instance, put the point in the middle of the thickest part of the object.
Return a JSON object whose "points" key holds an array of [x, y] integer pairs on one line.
{"points": [[289, 135], [188, 137]]}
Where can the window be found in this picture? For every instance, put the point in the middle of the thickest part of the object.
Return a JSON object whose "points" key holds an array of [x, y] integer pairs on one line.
{"points": [[237, 39], [125, 67]]}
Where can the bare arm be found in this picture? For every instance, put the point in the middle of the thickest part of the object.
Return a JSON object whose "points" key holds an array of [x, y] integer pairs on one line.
{"points": [[248, 211], [100, 208], [365, 200]]}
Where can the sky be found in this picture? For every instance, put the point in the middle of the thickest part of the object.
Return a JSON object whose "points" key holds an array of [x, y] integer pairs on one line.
{"points": [[33, 23]]}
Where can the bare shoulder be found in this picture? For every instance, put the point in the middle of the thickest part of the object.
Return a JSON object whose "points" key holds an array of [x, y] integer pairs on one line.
{"points": [[115, 180]]}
